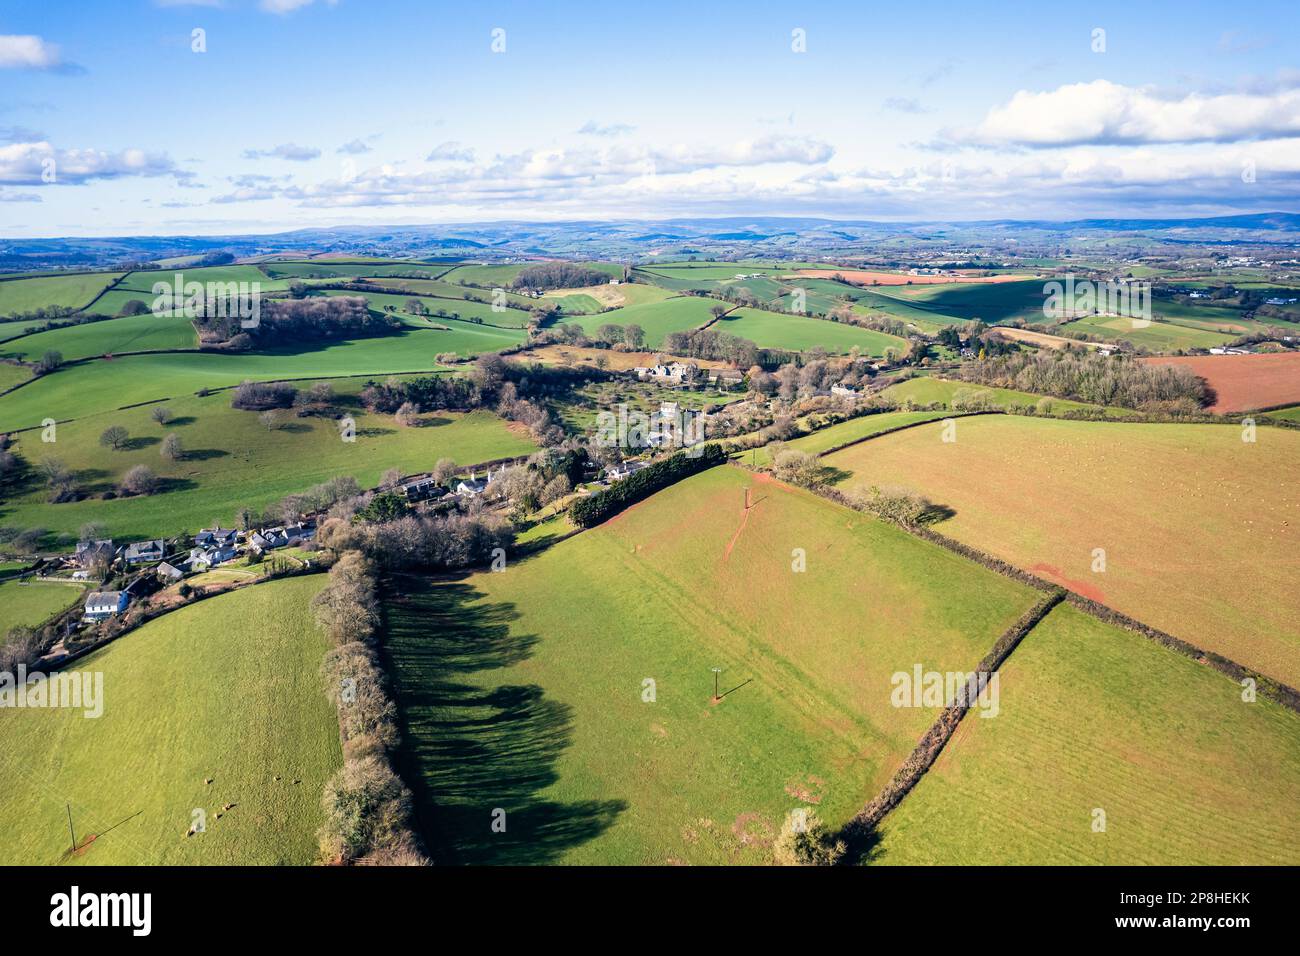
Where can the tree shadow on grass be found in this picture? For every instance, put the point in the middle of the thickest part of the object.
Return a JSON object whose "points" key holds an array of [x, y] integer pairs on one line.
{"points": [[470, 745], [204, 454], [180, 421], [143, 441]]}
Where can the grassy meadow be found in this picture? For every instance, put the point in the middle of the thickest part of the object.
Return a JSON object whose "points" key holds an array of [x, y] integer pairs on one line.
{"points": [[1191, 545], [837, 436], [30, 604], [138, 333], [523, 689], [232, 460], [1094, 717], [676, 314], [926, 389], [778, 330], [73, 291], [227, 690]]}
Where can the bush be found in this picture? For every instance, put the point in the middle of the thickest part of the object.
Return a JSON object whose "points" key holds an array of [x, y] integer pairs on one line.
{"points": [[140, 480], [255, 396], [603, 505], [366, 810], [806, 843], [172, 448]]}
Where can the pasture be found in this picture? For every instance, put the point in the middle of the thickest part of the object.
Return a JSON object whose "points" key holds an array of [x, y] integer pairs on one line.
{"points": [[30, 604], [73, 291], [232, 460], [1156, 336], [778, 330], [926, 389], [524, 689], [1190, 545], [845, 433], [1093, 717], [80, 390], [676, 314], [140, 333], [227, 690]]}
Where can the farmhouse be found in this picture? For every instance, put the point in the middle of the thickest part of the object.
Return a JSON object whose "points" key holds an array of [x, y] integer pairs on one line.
{"points": [[674, 373], [215, 536], [845, 390], [473, 487], [101, 605], [623, 469], [201, 559], [422, 489], [143, 552], [92, 552], [169, 572]]}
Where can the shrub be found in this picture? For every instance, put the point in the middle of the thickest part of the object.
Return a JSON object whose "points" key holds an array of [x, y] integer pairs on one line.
{"points": [[803, 841], [172, 448], [603, 505], [114, 436], [140, 480]]}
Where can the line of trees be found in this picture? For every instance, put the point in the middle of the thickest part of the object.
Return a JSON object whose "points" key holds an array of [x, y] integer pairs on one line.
{"points": [[367, 807], [593, 509], [558, 275], [1098, 379]]}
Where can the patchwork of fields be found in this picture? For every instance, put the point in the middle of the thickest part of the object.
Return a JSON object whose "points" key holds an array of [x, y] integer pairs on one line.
{"points": [[1190, 545]]}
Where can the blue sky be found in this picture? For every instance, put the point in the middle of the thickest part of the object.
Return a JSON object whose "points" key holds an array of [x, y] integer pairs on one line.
{"points": [[303, 113]]}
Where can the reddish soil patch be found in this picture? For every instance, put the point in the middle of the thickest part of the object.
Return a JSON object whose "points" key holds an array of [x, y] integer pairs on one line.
{"points": [[751, 829], [865, 277], [1245, 382], [1053, 574], [806, 789]]}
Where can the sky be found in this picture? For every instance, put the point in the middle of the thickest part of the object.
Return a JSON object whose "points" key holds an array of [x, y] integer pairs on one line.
{"points": [[165, 117]]}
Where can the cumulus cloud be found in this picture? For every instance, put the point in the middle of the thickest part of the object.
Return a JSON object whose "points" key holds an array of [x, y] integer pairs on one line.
{"points": [[904, 104], [289, 151], [35, 164], [353, 147], [592, 128], [450, 151], [1102, 112], [28, 52]]}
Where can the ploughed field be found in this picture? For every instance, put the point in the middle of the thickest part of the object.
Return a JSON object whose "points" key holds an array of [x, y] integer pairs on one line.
{"points": [[1198, 528]]}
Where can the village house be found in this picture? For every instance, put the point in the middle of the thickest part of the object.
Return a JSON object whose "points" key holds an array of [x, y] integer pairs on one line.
{"points": [[201, 559], [144, 552], [623, 469], [92, 552], [422, 489], [169, 572], [101, 605], [472, 487], [210, 537], [845, 390], [725, 377], [672, 373]]}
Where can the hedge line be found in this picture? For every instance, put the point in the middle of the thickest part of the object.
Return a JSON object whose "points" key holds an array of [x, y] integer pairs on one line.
{"points": [[592, 510]]}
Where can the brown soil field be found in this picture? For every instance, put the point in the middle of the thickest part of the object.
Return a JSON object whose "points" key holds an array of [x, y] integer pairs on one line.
{"points": [[864, 277], [1245, 382], [618, 361], [1041, 339], [1200, 530]]}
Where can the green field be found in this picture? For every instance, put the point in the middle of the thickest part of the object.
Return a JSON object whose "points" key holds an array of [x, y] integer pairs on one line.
{"points": [[104, 384], [501, 276], [351, 269], [11, 375], [1176, 509], [138, 333], [837, 436], [71, 291], [924, 390], [31, 604], [1094, 717], [523, 689], [144, 282], [1158, 336], [777, 330], [227, 690], [233, 460], [676, 314], [990, 302], [454, 308]]}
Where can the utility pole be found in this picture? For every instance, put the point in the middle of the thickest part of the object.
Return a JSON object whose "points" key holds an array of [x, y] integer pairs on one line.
{"points": [[716, 671]]}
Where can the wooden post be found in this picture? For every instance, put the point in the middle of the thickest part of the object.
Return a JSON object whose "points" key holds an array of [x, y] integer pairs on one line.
{"points": [[71, 831]]}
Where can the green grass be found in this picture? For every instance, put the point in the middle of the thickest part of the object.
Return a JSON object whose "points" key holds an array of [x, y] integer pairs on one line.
{"points": [[523, 689], [234, 461], [1158, 336], [31, 604], [80, 390], [343, 269], [1291, 414], [777, 330], [462, 308], [71, 291], [837, 436], [144, 282], [501, 276], [676, 314], [926, 389], [1091, 717], [227, 689], [11, 375], [990, 302], [135, 334]]}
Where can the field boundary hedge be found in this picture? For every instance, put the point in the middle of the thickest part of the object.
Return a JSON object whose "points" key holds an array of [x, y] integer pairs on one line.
{"points": [[859, 829], [603, 505]]}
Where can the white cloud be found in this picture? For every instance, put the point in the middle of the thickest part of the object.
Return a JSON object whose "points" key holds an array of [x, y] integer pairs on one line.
{"points": [[1102, 112], [28, 52], [353, 147], [450, 152], [27, 164], [289, 151], [592, 128], [288, 6]]}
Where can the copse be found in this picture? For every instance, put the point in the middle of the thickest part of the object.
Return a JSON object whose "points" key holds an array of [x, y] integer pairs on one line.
{"points": [[1089, 377], [592, 510], [558, 275]]}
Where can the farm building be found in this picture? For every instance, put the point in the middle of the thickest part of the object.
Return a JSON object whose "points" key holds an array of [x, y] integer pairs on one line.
{"points": [[215, 536], [91, 552], [422, 489], [143, 552], [169, 573]]}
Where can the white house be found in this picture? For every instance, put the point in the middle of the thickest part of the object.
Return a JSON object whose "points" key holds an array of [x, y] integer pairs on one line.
{"points": [[846, 390], [169, 572], [473, 487], [623, 469], [101, 605], [201, 559]]}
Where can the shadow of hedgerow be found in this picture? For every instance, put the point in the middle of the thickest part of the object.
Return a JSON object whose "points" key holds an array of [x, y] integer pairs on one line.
{"points": [[470, 747]]}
